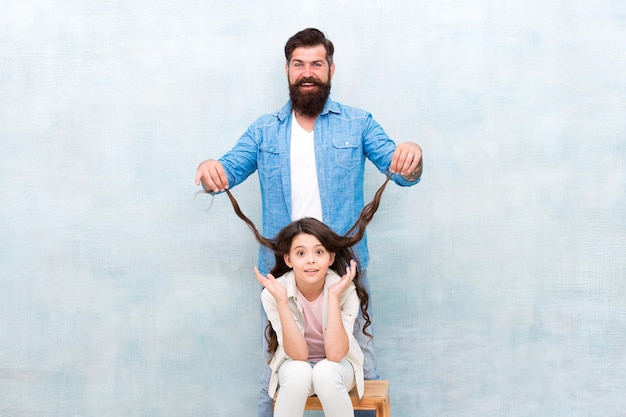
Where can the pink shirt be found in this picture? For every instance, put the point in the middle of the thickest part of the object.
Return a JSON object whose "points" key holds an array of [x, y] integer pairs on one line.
{"points": [[313, 332]]}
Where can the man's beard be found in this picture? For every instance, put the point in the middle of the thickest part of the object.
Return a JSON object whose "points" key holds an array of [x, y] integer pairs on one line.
{"points": [[309, 103]]}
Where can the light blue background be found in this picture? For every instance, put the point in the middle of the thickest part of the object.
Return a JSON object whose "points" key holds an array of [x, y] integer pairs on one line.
{"points": [[498, 282]]}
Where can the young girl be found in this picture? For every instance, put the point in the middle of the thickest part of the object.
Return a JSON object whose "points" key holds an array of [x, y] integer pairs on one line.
{"points": [[312, 307]]}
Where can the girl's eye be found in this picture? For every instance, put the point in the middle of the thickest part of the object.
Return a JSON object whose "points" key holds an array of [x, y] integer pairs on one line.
{"points": [[320, 252], [299, 253]]}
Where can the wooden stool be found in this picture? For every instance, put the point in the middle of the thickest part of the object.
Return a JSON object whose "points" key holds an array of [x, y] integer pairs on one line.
{"points": [[375, 397]]}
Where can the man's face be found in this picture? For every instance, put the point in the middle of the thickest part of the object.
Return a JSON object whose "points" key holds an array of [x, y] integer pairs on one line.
{"points": [[309, 78]]}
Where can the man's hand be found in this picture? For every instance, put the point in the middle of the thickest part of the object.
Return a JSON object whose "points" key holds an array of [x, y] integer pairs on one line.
{"points": [[407, 161], [212, 176]]}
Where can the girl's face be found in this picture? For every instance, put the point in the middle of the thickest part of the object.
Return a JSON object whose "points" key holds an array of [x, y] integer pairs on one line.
{"points": [[309, 259]]}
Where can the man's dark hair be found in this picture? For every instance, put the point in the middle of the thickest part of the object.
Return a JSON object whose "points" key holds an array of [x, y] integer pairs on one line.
{"points": [[309, 37]]}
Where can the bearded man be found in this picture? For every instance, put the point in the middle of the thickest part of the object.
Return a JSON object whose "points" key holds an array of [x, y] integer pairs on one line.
{"points": [[310, 159]]}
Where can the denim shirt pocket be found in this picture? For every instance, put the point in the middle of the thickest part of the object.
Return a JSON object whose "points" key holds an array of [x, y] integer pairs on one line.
{"points": [[268, 162], [347, 151]]}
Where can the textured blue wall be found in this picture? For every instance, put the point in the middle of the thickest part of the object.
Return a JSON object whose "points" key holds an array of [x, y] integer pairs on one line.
{"points": [[498, 282]]}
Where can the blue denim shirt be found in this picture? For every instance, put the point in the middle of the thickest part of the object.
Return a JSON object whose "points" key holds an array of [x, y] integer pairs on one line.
{"points": [[343, 137]]}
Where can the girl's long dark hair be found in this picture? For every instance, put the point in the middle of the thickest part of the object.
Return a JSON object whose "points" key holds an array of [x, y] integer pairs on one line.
{"points": [[341, 245]]}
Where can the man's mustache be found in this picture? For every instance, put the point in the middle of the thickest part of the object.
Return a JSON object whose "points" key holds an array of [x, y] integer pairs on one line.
{"points": [[309, 80]]}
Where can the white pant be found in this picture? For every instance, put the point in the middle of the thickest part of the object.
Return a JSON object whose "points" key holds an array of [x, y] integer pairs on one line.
{"points": [[331, 381]]}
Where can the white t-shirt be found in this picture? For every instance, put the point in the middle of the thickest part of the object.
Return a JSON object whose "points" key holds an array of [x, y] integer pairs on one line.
{"points": [[305, 192]]}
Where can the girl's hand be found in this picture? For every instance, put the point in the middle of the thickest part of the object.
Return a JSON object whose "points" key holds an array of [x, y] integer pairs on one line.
{"points": [[278, 291], [339, 287]]}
